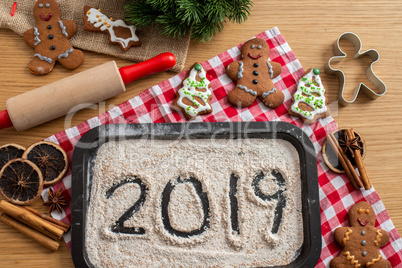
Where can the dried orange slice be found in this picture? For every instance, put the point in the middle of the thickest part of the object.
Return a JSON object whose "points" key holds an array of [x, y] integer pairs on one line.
{"points": [[50, 158], [9, 152], [21, 182]]}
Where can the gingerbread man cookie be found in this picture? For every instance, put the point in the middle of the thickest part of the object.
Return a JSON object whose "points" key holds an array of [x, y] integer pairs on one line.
{"points": [[254, 74], [50, 39], [194, 97], [309, 101], [119, 32], [361, 241]]}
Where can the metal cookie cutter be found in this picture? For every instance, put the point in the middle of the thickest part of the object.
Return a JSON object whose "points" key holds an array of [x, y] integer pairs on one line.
{"points": [[340, 55]]}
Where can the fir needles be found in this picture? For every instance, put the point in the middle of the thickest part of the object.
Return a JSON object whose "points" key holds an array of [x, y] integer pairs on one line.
{"points": [[176, 18]]}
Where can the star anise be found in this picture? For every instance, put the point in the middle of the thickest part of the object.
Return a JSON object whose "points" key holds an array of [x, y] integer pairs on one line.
{"points": [[56, 201], [349, 145]]}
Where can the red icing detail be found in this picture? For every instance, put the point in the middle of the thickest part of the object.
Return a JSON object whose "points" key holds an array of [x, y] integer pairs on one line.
{"points": [[5, 121], [49, 16], [254, 58], [363, 224], [13, 9]]}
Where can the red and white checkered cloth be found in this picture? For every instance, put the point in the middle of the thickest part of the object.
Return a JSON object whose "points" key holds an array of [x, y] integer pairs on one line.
{"points": [[337, 194]]}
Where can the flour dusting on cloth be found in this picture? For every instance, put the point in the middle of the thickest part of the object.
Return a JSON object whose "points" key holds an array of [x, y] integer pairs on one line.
{"points": [[195, 203]]}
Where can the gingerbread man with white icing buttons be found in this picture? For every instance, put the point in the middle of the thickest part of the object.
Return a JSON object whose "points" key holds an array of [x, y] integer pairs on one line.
{"points": [[50, 37], [361, 241], [254, 74]]}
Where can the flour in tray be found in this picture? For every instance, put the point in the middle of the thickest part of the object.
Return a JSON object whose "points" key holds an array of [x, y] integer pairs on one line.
{"points": [[195, 203]]}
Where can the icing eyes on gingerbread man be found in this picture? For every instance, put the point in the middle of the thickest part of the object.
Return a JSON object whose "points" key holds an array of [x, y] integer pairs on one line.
{"points": [[41, 5], [253, 75]]}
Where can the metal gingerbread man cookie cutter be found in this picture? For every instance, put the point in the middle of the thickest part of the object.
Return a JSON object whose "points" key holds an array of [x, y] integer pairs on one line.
{"points": [[340, 55]]}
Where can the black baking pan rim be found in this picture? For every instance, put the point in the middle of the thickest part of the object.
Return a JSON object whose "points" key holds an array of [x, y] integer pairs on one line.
{"points": [[87, 146]]}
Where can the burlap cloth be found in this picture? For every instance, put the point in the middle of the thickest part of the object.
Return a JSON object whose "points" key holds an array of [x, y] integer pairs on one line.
{"points": [[152, 42]]}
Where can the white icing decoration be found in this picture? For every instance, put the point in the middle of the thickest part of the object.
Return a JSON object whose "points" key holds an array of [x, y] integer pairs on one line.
{"points": [[65, 54], [241, 70], [307, 86], [47, 5], [118, 23], [49, 60], [37, 39], [252, 46], [63, 28], [189, 91], [269, 92], [41, 5], [259, 47], [271, 71], [252, 92]]}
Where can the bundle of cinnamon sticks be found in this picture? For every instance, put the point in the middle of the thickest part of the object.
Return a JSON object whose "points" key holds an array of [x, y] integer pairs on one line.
{"points": [[358, 182], [39, 227]]}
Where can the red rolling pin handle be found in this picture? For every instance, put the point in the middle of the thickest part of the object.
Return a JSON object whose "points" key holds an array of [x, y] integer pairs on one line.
{"points": [[5, 121], [159, 63]]}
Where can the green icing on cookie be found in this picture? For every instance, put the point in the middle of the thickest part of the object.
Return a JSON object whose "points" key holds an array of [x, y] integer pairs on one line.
{"points": [[198, 67]]}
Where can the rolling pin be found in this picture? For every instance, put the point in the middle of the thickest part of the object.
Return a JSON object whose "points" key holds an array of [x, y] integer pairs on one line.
{"points": [[81, 90]]}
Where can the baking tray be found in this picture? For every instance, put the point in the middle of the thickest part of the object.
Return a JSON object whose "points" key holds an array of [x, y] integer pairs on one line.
{"points": [[86, 149]]}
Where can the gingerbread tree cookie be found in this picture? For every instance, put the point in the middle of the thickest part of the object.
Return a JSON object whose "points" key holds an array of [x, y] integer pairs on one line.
{"points": [[119, 32], [194, 97], [309, 101], [253, 75], [361, 240], [50, 37]]}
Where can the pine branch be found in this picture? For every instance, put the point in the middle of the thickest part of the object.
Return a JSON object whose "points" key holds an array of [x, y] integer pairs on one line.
{"points": [[140, 14], [170, 25], [178, 17], [166, 6], [190, 11], [216, 11], [239, 11], [204, 31]]}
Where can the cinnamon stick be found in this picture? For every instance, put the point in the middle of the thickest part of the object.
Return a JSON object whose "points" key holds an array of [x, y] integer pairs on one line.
{"points": [[61, 225], [359, 162], [30, 219], [29, 232], [343, 159]]}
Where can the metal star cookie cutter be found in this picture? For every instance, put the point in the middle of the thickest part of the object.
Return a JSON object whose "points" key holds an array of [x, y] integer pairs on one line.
{"points": [[340, 55]]}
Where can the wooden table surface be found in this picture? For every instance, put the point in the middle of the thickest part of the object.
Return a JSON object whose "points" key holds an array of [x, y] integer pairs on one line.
{"points": [[310, 28]]}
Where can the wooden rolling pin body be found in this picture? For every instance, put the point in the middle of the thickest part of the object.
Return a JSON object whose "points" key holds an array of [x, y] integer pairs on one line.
{"points": [[65, 96]]}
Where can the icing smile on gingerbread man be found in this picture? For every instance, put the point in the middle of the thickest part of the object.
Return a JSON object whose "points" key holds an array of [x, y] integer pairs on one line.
{"points": [[254, 58], [47, 18], [361, 223]]}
